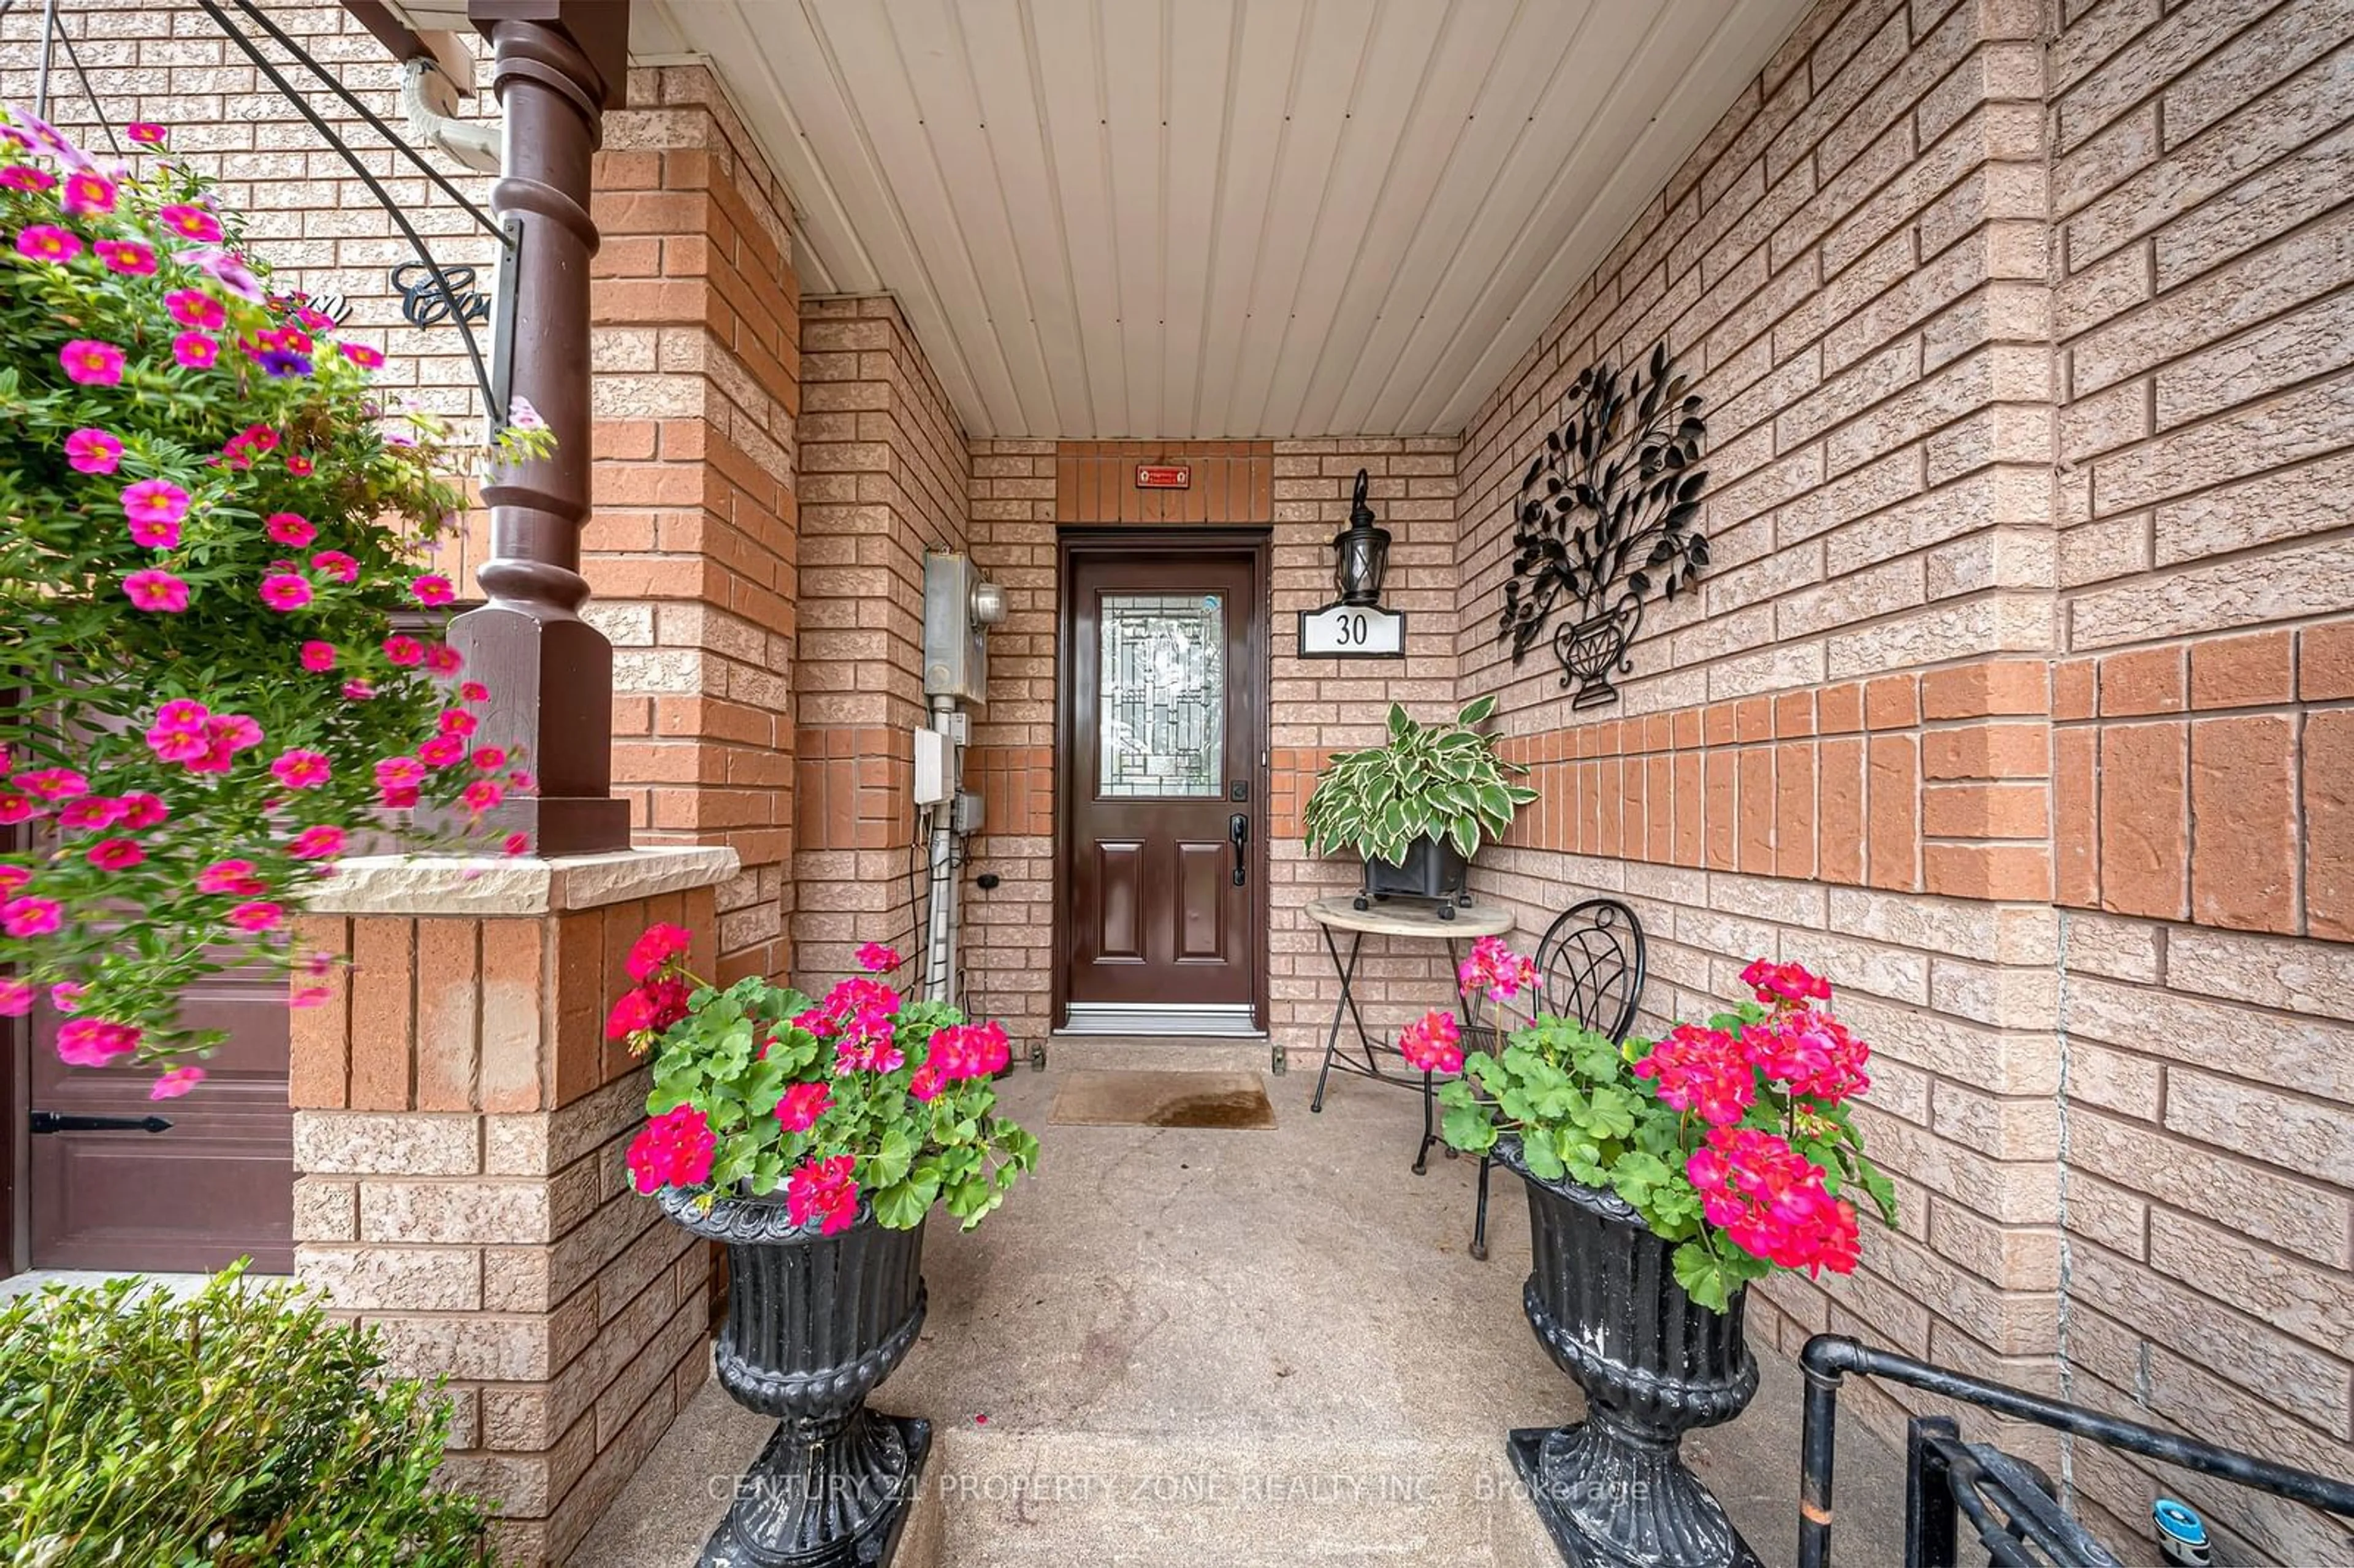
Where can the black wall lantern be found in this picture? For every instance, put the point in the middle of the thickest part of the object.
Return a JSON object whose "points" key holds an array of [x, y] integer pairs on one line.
{"points": [[1361, 552], [1355, 625]]}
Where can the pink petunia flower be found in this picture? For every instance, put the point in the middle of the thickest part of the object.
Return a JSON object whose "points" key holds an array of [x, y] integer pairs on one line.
{"points": [[517, 843], [336, 564], [489, 759], [146, 133], [482, 794], [89, 363], [290, 528], [16, 997], [227, 269], [195, 308], [318, 656], [283, 591], [114, 855], [442, 751], [16, 808], [157, 590], [361, 354], [127, 257], [229, 876], [94, 1042], [442, 659], [26, 916], [457, 722], [404, 651], [300, 770], [195, 350], [173, 1082], [156, 502], [25, 177], [92, 450], [141, 809], [258, 916], [356, 691], [473, 692], [319, 841], [47, 242], [66, 996], [91, 811], [434, 591], [87, 194], [54, 784], [298, 465], [189, 222], [396, 779]]}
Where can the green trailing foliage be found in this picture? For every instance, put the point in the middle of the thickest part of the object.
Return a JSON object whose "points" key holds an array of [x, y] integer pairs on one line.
{"points": [[1434, 780], [237, 1426]]}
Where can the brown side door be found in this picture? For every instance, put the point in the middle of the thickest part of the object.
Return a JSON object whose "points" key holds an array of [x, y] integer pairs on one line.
{"points": [[1163, 735], [218, 1186]]}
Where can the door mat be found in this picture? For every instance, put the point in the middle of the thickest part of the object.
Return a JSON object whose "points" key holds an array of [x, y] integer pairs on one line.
{"points": [[1119, 1098]]}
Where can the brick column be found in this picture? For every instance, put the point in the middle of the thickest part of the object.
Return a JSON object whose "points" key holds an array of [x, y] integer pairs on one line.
{"points": [[459, 1126], [693, 547]]}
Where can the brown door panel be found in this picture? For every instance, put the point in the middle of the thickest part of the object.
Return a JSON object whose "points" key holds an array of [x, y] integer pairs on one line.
{"points": [[1164, 725], [218, 1186], [1203, 885]]}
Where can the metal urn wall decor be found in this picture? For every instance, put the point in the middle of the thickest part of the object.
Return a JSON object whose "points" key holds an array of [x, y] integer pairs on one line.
{"points": [[1605, 518]]}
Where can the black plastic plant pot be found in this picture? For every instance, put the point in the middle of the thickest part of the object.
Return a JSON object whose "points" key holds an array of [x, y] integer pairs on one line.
{"points": [[1613, 1489], [815, 1323], [1432, 870]]}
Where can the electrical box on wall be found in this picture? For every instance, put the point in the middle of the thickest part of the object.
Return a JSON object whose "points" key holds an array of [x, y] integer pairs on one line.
{"points": [[960, 606], [933, 754]]}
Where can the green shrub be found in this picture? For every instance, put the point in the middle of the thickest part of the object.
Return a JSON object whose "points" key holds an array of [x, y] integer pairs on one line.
{"points": [[237, 1426]]}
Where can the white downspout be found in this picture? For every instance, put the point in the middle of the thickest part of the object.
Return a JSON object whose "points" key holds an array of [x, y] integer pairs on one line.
{"points": [[431, 98]]}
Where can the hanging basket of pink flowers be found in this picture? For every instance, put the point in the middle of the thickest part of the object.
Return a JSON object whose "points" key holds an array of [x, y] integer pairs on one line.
{"points": [[209, 520]]}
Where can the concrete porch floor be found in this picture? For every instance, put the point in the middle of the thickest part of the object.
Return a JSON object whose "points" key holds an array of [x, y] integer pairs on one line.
{"points": [[1176, 1347]]}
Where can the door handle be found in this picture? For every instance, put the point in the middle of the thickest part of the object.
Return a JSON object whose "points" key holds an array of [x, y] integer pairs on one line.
{"points": [[1238, 834]]}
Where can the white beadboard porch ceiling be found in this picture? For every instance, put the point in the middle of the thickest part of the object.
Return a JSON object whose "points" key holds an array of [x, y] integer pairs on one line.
{"points": [[1220, 220]]}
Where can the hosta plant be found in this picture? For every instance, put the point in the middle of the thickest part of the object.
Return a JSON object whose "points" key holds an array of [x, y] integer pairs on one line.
{"points": [[1733, 1138], [209, 522], [1430, 781], [862, 1094]]}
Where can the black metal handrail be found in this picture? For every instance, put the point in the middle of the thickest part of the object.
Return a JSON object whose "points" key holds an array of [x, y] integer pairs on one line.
{"points": [[1934, 1454]]}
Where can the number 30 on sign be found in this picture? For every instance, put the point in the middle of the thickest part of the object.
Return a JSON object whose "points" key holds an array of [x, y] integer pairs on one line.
{"points": [[1353, 631]]}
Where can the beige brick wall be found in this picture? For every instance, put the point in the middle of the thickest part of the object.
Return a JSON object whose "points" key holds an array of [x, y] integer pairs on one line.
{"points": [[2202, 266], [884, 473], [2012, 697], [459, 1122]]}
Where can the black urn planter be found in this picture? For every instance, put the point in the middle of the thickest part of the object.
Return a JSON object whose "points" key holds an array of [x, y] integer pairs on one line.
{"points": [[1432, 870], [814, 1322], [1653, 1363]]}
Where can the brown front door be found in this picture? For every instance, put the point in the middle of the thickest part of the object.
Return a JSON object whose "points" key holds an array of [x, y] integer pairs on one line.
{"points": [[1166, 723], [218, 1186]]}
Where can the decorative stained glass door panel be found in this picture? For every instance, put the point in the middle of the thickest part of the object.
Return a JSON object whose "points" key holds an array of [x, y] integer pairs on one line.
{"points": [[1164, 729]]}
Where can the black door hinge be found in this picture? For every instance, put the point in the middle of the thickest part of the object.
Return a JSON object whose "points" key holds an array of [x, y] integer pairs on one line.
{"points": [[57, 1121]]}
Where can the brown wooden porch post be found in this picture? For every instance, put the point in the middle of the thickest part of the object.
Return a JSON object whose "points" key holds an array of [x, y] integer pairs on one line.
{"points": [[557, 66]]}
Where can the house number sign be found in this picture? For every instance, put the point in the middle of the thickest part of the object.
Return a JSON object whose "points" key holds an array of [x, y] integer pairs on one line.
{"points": [[1353, 631]]}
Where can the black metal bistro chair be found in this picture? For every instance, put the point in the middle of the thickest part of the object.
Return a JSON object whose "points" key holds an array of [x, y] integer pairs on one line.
{"points": [[1589, 970]]}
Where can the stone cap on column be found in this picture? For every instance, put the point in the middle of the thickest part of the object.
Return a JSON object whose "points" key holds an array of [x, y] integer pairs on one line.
{"points": [[490, 887]]}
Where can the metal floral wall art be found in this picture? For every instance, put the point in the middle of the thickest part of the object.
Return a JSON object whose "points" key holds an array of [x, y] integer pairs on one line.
{"points": [[1605, 518]]}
